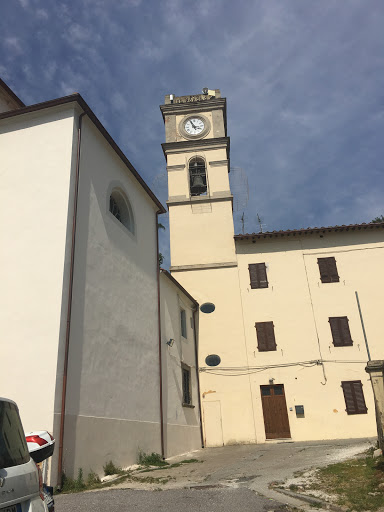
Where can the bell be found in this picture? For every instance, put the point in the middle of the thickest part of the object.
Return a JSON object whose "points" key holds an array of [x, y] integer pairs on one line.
{"points": [[198, 186]]}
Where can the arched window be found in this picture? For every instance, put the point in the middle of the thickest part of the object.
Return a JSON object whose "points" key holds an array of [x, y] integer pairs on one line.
{"points": [[197, 176], [120, 208]]}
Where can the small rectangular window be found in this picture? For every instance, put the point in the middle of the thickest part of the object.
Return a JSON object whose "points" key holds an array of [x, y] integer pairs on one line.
{"points": [[186, 377], [265, 390], [258, 275], [183, 323], [328, 270], [265, 333], [340, 331], [354, 397]]}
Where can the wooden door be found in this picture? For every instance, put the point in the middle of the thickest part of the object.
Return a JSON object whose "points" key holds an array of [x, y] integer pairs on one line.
{"points": [[275, 412]]}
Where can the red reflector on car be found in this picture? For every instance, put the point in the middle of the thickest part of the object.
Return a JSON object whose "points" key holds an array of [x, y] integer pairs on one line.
{"points": [[36, 439]]}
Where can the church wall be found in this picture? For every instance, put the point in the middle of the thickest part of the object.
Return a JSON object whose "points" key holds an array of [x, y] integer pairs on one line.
{"points": [[181, 423], [112, 408], [36, 161], [299, 305]]}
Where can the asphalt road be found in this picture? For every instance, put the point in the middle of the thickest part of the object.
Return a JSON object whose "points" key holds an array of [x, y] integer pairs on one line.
{"points": [[207, 500]]}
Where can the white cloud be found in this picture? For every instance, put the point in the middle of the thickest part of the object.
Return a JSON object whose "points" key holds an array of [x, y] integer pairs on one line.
{"points": [[42, 14], [13, 44]]}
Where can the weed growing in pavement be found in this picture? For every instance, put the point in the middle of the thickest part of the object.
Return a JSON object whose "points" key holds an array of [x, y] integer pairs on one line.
{"points": [[111, 469], [168, 466], [152, 459], [93, 478], [73, 485]]}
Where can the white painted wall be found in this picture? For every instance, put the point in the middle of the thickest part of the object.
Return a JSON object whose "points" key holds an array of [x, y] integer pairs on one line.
{"points": [[181, 424], [112, 407], [36, 161]]}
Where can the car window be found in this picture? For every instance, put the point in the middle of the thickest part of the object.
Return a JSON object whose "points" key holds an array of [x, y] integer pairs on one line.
{"points": [[13, 446]]}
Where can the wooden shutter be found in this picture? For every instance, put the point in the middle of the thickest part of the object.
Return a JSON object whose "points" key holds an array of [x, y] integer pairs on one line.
{"points": [[328, 270], [258, 275], [354, 397], [340, 331], [265, 336]]}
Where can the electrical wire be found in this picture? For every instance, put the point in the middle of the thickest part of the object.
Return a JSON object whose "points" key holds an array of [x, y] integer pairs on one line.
{"points": [[234, 371]]}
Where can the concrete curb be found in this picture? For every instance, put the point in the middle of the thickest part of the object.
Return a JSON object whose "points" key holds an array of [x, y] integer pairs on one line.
{"points": [[310, 499]]}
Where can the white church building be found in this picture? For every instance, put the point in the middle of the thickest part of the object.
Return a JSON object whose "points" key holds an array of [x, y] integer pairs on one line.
{"points": [[88, 352]]}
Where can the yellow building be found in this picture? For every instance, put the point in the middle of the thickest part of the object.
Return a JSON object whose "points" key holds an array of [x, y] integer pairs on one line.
{"points": [[281, 344]]}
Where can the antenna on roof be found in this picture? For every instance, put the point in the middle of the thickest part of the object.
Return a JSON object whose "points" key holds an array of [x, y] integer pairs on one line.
{"points": [[260, 223], [242, 222]]}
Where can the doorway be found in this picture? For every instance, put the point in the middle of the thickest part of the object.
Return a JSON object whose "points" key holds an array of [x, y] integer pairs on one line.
{"points": [[275, 412]]}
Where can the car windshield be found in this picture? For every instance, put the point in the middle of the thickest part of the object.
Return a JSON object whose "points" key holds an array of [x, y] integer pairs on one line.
{"points": [[13, 446]]}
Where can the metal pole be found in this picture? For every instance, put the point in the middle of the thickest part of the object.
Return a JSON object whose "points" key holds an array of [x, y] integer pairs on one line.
{"points": [[377, 414], [362, 325]]}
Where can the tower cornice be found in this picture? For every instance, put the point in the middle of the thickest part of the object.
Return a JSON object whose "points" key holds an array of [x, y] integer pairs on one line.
{"points": [[195, 106], [191, 146]]}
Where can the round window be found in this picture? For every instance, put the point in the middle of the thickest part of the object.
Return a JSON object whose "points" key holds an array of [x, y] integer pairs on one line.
{"points": [[212, 360], [207, 307]]}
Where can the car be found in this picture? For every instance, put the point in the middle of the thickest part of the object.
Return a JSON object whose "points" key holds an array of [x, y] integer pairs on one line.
{"points": [[21, 484]]}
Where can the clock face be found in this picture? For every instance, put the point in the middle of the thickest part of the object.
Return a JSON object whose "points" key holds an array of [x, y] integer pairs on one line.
{"points": [[194, 126]]}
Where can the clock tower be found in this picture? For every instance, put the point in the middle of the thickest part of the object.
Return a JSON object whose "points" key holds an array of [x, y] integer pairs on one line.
{"points": [[199, 196], [203, 255]]}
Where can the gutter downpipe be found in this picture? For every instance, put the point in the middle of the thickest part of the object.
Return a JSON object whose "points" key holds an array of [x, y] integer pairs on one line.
{"points": [[198, 376], [69, 305], [159, 328]]}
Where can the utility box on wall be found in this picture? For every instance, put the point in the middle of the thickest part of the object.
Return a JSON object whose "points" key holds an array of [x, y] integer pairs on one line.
{"points": [[299, 411]]}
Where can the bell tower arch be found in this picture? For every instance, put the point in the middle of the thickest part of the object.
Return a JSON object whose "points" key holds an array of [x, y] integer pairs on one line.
{"points": [[199, 195]]}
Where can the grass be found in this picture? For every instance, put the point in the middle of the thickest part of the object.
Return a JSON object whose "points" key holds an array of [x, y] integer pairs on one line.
{"points": [[151, 459], [354, 482], [71, 485], [111, 469]]}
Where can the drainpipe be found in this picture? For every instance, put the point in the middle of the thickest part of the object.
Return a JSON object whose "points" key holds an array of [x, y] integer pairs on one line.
{"points": [[159, 329], [197, 375], [69, 305]]}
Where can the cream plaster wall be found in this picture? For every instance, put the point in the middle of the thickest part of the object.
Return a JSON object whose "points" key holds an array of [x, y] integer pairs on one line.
{"points": [[112, 407], [204, 240], [181, 424], [221, 333], [201, 233], [37, 161], [300, 305]]}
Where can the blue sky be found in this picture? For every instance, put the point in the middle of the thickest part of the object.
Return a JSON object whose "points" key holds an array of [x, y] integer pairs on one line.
{"points": [[304, 82]]}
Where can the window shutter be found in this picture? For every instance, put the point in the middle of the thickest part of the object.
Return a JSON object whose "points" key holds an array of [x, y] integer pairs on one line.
{"points": [[340, 331], [270, 336], [258, 275], [265, 336], [345, 332], [328, 270], [359, 396], [354, 397]]}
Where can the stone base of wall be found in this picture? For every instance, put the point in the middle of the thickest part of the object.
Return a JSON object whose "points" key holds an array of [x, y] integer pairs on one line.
{"points": [[181, 439]]}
